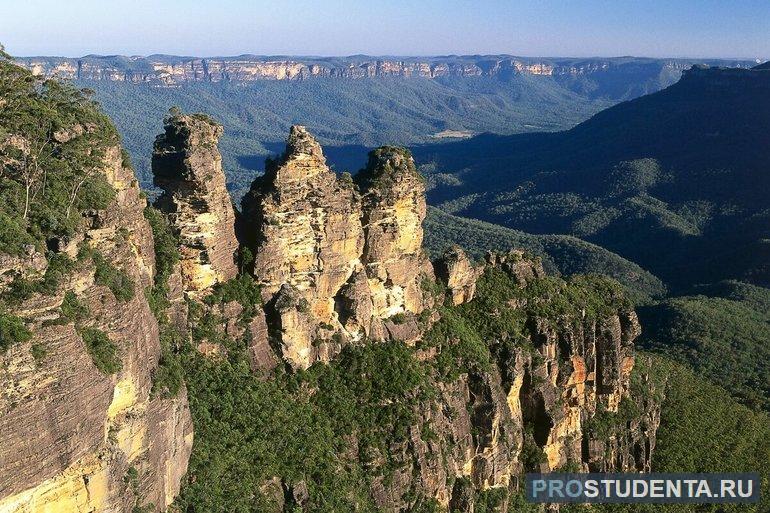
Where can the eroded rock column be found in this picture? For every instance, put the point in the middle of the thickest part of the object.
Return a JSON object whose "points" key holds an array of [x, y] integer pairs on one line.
{"points": [[308, 237], [394, 209], [188, 167]]}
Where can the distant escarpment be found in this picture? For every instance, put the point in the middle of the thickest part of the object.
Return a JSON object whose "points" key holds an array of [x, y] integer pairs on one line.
{"points": [[166, 70]]}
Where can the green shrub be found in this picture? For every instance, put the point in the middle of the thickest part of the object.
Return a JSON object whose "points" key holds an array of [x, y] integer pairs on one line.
{"points": [[60, 266], [490, 500], [399, 318], [103, 351], [432, 287], [73, 309], [168, 376], [115, 279], [166, 256], [532, 455], [13, 235], [166, 245], [242, 289], [20, 289], [38, 351], [12, 331]]}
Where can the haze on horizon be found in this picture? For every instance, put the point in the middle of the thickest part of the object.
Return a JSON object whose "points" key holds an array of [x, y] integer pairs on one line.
{"points": [[654, 28]]}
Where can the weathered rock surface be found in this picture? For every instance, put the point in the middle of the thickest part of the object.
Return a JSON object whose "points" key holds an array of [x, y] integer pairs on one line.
{"points": [[393, 212], [535, 410], [354, 259], [188, 167], [72, 434], [309, 234], [456, 270]]}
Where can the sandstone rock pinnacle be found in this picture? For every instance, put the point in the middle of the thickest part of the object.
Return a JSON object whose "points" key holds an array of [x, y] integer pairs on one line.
{"points": [[309, 234], [457, 271], [188, 167], [393, 211], [356, 262]]}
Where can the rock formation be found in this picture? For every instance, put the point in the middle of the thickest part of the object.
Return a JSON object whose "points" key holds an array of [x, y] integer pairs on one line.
{"points": [[188, 167], [394, 209], [339, 262], [456, 270], [309, 234], [538, 408], [75, 438], [352, 261]]}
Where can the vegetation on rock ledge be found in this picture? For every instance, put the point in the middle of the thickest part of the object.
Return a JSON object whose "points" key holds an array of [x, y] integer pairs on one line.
{"points": [[53, 141]]}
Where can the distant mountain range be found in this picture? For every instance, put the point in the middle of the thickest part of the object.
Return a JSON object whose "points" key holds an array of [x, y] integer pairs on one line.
{"points": [[170, 70], [356, 103], [677, 181]]}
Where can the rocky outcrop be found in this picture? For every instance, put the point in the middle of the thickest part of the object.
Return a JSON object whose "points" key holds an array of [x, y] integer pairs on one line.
{"points": [[188, 167], [456, 270], [393, 212], [560, 401], [350, 259], [341, 261], [309, 232], [174, 71], [75, 438], [307, 243], [516, 263]]}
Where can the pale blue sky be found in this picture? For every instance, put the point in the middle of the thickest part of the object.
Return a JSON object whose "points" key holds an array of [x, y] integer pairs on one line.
{"points": [[675, 28]]}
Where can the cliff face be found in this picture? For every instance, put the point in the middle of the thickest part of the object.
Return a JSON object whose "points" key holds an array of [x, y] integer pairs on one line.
{"points": [[333, 264], [188, 167], [562, 400], [394, 209], [74, 437], [173, 71]]}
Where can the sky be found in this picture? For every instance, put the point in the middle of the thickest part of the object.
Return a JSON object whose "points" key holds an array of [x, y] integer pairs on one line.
{"points": [[569, 28]]}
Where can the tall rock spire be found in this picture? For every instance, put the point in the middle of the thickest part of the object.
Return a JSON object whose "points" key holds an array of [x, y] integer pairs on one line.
{"points": [[188, 167], [309, 236], [350, 266], [393, 211]]}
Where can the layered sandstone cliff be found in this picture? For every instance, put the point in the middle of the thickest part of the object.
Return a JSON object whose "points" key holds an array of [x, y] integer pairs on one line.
{"points": [[551, 401], [173, 71], [394, 209], [76, 438], [341, 262], [188, 167], [556, 395]]}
